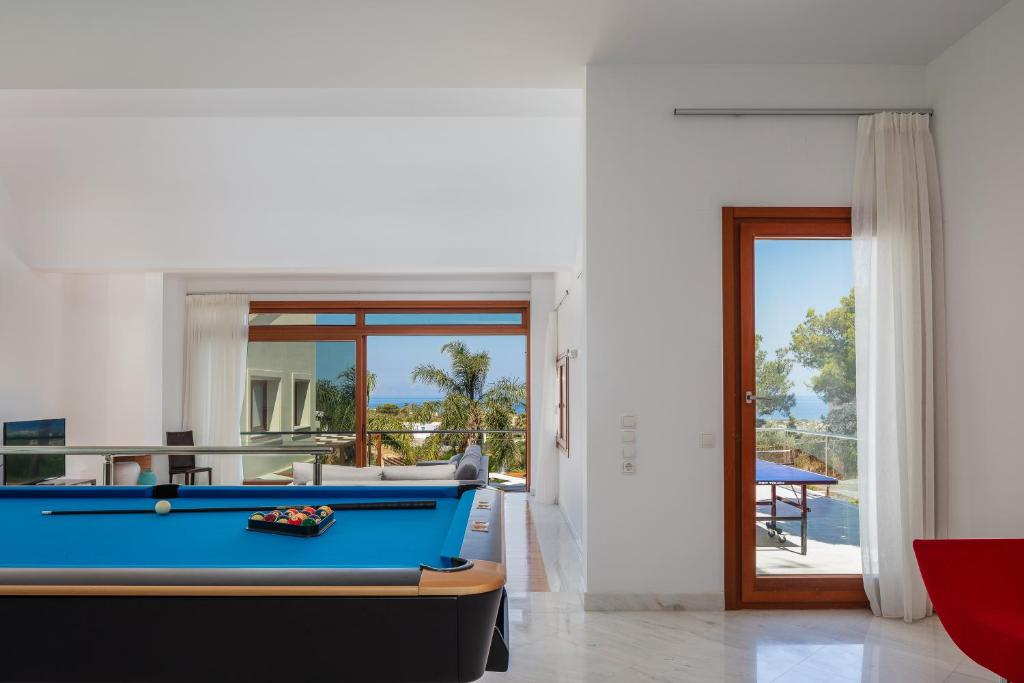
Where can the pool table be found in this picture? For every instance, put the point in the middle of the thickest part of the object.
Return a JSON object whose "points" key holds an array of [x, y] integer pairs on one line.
{"points": [[382, 595]]}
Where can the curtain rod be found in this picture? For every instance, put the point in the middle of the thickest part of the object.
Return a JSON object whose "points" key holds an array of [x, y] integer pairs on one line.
{"points": [[795, 112]]}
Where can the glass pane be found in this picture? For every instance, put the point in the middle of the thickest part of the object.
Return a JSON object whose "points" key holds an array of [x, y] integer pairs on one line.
{"points": [[426, 384], [807, 517], [262, 319], [299, 393], [444, 318]]}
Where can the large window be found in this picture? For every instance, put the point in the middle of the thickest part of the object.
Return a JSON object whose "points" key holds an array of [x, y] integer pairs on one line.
{"points": [[390, 382]]}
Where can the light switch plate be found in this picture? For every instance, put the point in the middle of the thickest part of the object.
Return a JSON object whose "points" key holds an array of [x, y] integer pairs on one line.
{"points": [[628, 452], [628, 436], [707, 440], [628, 421], [629, 467]]}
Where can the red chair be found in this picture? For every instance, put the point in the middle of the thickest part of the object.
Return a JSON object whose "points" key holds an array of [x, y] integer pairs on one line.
{"points": [[977, 587]]}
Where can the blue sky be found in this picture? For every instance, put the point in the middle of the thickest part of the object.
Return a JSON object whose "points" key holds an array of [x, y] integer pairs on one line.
{"points": [[393, 358], [790, 277]]}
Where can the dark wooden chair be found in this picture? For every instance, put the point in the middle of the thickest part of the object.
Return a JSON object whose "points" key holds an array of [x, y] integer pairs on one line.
{"points": [[185, 464]]}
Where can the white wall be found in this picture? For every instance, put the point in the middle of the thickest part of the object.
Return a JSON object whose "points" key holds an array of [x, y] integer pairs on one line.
{"points": [[87, 348], [543, 457], [369, 181], [572, 477], [655, 188], [977, 89], [111, 362], [30, 332]]}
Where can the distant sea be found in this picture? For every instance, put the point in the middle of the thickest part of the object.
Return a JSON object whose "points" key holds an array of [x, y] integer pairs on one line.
{"points": [[808, 407], [376, 400]]}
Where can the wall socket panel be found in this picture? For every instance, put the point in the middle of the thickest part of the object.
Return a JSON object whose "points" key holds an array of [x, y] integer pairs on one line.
{"points": [[629, 467], [628, 452]]}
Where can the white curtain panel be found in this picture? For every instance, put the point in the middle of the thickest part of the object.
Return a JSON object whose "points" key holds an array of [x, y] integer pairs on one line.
{"points": [[216, 338], [897, 245], [545, 459]]}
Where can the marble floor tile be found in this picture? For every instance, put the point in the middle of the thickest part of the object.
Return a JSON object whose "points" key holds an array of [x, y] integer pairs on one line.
{"points": [[553, 640]]}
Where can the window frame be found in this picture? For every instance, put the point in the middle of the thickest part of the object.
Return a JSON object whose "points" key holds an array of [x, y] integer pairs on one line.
{"points": [[298, 422], [360, 331], [265, 412], [562, 429]]}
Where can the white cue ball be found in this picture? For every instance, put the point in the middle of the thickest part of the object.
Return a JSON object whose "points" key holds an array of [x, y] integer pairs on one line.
{"points": [[162, 507]]}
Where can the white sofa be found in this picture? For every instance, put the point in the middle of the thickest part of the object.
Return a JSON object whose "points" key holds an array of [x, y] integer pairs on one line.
{"points": [[442, 472]]}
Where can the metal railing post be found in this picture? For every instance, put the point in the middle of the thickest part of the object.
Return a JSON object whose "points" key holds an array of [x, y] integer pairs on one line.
{"points": [[108, 470], [318, 469]]}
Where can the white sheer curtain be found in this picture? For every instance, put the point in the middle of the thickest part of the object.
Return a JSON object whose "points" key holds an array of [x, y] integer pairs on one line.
{"points": [[216, 335], [897, 244]]}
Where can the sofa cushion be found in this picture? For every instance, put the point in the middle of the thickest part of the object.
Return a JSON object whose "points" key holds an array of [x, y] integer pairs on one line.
{"points": [[302, 473], [470, 465], [412, 472]]}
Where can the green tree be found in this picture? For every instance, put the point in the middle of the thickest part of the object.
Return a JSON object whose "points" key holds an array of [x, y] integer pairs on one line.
{"points": [[336, 400], [469, 403], [773, 380], [377, 421], [424, 412], [827, 343]]}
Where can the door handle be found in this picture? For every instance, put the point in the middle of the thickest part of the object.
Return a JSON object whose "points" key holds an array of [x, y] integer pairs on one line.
{"points": [[751, 397]]}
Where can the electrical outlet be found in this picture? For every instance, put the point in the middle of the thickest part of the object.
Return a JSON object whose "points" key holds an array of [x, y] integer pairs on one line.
{"points": [[629, 467]]}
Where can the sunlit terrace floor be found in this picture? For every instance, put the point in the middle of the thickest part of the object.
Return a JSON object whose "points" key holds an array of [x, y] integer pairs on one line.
{"points": [[833, 536]]}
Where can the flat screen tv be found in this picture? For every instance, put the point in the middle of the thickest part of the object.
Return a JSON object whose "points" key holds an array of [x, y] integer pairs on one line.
{"points": [[32, 469]]}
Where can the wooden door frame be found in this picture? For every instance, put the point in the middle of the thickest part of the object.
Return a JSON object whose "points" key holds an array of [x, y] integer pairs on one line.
{"points": [[360, 331], [743, 588]]}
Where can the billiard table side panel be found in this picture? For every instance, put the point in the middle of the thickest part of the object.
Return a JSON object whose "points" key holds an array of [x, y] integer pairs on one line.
{"points": [[121, 639]]}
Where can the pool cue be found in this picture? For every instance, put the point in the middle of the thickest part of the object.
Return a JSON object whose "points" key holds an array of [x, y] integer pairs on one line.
{"points": [[377, 505]]}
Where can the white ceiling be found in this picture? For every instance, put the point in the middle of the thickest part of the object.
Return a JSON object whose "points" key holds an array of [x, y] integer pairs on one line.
{"points": [[447, 43], [293, 181]]}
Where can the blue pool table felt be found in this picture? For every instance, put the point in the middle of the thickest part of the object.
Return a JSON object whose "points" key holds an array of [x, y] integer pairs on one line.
{"points": [[359, 539]]}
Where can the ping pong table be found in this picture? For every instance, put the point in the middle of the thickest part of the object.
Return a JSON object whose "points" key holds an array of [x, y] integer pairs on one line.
{"points": [[775, 475]]}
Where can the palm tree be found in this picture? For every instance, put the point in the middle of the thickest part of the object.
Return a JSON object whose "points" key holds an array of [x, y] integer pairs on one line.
{"points": [[470, 404]]}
